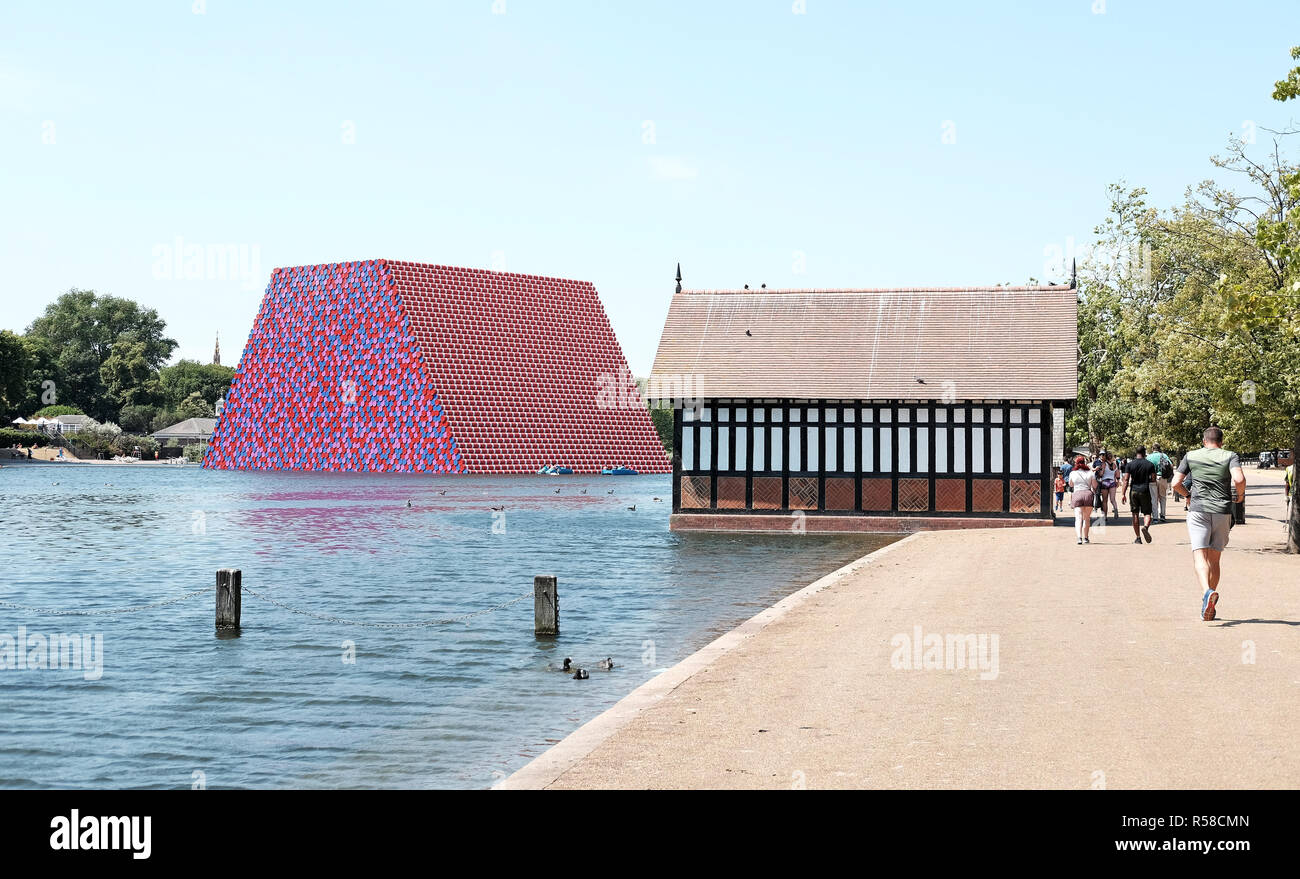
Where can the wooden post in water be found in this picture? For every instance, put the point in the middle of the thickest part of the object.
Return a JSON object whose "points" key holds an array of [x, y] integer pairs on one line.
{"points": [[546, 606], [229, 583]]}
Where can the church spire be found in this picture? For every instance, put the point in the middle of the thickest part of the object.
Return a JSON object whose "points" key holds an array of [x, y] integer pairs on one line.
{"points": [[216, 352]]}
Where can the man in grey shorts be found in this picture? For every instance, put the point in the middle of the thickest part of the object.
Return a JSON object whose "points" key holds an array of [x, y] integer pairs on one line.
{"points": [[1217, 480]]}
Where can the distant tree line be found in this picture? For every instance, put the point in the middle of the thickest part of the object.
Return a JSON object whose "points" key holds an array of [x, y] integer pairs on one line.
{"points": [[103, 356]]}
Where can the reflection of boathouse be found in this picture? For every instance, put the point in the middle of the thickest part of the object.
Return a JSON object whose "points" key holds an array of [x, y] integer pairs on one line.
{"points": [[867, 410]]}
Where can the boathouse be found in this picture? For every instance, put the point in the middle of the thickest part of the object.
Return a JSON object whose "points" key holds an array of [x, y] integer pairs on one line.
{"points": [[390, 366], [866, 410]]}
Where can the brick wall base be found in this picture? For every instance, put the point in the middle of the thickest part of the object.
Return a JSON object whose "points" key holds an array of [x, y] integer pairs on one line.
{"points": [[814, 524]]}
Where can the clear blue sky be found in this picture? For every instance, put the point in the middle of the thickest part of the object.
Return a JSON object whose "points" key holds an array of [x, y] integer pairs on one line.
{"points": [[522, 136]]}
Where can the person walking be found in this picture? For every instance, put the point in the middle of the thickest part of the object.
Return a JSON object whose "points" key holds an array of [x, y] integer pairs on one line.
{"points": [[1107, 479], [1139, 484], [1059, 488], [1083, 487], [1219, 482], [1160, 491], [1288, 477]]}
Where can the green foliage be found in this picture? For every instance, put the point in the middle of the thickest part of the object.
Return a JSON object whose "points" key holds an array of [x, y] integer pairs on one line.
{"points": [[55, 411], [128, 377], [15, 364], [194, 406], [188, 377], [663, 422], [195, 452], [139, 419], [10, 437], [82, 329], [131, 445]]}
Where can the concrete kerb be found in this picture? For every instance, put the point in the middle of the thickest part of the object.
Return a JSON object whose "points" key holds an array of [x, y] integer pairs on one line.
{"points": [[546, 768]]}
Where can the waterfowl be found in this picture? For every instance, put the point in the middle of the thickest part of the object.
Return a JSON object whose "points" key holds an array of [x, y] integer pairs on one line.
{"points": [[606, 663], [632, 508], [444, 491], [581, 675], [498, 509], [584, 491], [658, 499], [408, 502], [564, 666], [611, 491], [557, 491]]}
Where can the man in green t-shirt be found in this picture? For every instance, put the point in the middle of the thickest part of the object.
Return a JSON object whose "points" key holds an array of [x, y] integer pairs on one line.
{"points": [[1217, 481]]}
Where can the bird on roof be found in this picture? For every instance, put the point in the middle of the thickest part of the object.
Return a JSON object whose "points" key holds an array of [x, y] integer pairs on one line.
{"points": [[746, 286]]}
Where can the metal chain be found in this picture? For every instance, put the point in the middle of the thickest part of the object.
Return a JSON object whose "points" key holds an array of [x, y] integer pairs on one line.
{"points": [[346, 622], [320, 616], [116, 610]]}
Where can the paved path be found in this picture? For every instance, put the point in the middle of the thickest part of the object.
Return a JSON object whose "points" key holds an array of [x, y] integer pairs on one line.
{"points": [[1105, 674]]}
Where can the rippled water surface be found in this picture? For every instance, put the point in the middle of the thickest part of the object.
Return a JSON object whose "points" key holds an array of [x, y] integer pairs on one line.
{"points": [[457, 705]]}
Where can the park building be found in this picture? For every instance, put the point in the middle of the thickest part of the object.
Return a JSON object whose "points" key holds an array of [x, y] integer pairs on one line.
{"points": [[866, 409]]}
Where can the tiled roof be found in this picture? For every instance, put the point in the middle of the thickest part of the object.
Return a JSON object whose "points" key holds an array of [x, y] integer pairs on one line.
{"points": [[966, 343], [190, 428]]}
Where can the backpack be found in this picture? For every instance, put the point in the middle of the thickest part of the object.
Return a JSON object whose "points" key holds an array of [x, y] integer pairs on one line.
{"points": [[1167, 468]]}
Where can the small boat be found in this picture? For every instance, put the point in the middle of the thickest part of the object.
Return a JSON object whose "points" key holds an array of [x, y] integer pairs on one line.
{"points": [[618, 471], [555, 470]]}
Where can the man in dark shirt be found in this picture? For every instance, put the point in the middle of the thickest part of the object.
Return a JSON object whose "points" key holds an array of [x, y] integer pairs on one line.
{"points": [[1139, 479]]}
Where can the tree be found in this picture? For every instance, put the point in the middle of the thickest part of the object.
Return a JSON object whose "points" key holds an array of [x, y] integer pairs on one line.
{"points": [[82, 329], [1191, 316], [15, 364], [128, 378], [56, 411], [194, 406], [210, 381]]}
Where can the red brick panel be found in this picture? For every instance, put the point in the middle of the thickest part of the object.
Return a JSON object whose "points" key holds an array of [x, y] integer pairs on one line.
{"points": [[1025, 496], [839, 493], [695, 492], [877, 494], [986, 495], [731, 492], [913, 495], [950, 495], [767, 493], [803, 492]]}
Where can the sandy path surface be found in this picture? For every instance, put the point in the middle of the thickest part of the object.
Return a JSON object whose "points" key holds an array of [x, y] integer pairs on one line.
{"points": [[1105, 675]]}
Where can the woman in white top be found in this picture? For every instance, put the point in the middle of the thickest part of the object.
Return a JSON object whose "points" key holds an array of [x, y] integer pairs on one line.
{"points": [[1083, 488], [1108, 485]]}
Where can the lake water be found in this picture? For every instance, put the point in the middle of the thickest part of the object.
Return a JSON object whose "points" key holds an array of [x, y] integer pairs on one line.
{"points": [[457, 705]]}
